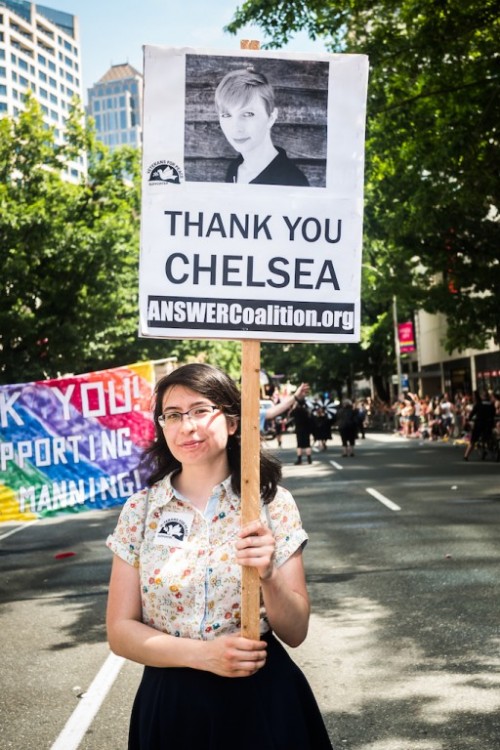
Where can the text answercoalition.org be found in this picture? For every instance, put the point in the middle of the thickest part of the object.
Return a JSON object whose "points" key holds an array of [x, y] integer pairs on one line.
{"points": [[253, 315]]}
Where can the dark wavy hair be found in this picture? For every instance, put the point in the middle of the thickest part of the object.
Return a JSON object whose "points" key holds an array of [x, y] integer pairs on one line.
{"points": [[222, 391]]}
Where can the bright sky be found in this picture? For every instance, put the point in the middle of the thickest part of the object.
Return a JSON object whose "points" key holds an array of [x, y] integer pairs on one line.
{"points": [[113, 31]]}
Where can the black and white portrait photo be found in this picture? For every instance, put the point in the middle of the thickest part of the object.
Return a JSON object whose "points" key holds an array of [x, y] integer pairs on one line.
{"points": [[256, 121]]}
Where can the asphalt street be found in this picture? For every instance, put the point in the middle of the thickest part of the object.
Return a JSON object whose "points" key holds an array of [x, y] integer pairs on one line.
{"points": [[403, 570]]}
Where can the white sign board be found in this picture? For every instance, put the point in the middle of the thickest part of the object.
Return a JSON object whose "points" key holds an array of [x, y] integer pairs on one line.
{"points": [[252, 200]]}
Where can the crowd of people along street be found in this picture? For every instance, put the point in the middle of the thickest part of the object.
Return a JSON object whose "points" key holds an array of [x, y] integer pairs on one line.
{"points": [[464, 419]]}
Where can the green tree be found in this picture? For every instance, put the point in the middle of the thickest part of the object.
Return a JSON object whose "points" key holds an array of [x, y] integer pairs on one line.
{"points": [[69, 252], [326, 367], [432, 144]]}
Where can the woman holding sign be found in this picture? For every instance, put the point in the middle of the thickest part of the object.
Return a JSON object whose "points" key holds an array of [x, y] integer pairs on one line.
{"points": [[175, 589], [245, 104]]}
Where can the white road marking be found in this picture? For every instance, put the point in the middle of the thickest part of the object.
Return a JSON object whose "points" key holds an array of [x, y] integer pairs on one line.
{"points": [[336, 465], [378, 496], [89, 705], [18, 528]]}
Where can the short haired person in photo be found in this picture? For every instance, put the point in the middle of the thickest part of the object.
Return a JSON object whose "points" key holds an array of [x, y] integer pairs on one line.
{"points": [[247, 112], [175, 589]]}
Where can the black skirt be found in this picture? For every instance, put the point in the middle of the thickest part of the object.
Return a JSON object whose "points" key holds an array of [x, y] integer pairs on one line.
{"points": [[188, 709]]}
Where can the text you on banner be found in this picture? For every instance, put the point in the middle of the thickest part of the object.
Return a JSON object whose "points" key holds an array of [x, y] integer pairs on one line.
{"points": [[73, 443]]}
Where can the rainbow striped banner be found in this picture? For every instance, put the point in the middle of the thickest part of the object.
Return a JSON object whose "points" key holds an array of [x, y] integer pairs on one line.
{"points": [[73, 443]]}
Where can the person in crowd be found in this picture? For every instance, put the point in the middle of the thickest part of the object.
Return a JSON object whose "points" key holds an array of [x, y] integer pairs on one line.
{"points": [[321, 428], [348, 427], [175, 588], [245, 103], [425, 418], [446, 409], [303, 429], [458, 414], [482, 417], [435, 419], [407, 414], [277, 408], [361, 413]]}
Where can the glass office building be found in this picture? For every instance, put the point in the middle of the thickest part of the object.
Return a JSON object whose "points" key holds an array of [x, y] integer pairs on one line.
{"points": [[115, 103], [40, 51]]}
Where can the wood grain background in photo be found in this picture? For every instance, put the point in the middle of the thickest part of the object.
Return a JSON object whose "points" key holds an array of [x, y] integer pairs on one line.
{"points": [[301, 92]]}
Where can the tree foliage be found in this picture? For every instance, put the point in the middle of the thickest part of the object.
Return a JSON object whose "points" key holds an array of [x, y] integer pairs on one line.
{"points": [[431, 210], [69, 252]]}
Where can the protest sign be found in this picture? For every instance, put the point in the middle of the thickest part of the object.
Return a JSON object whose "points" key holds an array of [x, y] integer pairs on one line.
{"points": [[277, 257]]}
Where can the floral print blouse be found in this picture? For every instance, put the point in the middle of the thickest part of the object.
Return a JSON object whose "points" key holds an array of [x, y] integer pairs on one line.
{"points": [[190, 580]]}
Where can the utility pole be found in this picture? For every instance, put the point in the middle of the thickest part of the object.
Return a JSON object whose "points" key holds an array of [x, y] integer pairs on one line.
{"points": [[396, 345]]}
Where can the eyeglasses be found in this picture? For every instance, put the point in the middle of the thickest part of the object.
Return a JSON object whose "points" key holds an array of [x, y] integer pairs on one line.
{"points": [[196, 414]]}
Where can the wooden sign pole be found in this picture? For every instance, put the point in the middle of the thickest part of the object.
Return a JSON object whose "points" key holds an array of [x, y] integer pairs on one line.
{"points": [[250, 463], [250, 477]]}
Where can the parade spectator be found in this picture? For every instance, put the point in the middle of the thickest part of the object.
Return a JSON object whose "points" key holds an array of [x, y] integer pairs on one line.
{"points": [[348, 427], [446, 409], [280, 407], [321, 428], [458, 414], [407, 414], [361, 413], [482, 417], [303, 429], [435, 420], [175, 591]]}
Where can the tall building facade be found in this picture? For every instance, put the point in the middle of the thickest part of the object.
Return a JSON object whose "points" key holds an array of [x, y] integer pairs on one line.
{"points": [[115, 103], [40, 51]]}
